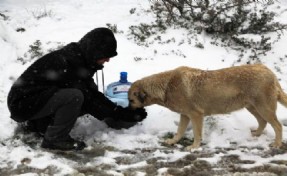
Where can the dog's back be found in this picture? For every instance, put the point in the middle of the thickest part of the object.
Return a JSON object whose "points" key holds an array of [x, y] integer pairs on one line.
{"points": [[224, 90]]}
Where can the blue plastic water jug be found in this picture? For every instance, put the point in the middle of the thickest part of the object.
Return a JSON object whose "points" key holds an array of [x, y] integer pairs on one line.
{"points": [[117, 92]]}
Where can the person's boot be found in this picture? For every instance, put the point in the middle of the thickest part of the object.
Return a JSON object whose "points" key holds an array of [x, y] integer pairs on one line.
{"points": [[31, 126], [38, 126], [65, 145]]}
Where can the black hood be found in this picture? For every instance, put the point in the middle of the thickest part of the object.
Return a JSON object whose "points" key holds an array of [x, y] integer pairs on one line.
{"points": [[97, 44]]}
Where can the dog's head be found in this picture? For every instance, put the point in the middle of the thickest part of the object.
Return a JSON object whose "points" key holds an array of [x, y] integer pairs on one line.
{"points": [[137, 96]]}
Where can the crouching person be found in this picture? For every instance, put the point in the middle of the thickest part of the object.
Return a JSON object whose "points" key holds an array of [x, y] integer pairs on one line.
{"points": [[59, 87]]}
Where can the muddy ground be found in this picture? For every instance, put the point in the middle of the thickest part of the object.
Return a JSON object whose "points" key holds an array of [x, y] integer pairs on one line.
{"points": [[193, 164]]}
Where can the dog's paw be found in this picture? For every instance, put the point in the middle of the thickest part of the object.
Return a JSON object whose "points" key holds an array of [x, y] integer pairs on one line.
{"points": [[192, 148], [276, 145], [255, 133], [170, 141]]}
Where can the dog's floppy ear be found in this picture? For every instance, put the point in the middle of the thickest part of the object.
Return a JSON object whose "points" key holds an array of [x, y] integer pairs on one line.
{"points": [[140, 94]]}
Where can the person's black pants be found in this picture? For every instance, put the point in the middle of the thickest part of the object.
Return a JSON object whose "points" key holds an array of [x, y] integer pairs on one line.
{"points": [[57, 118]]}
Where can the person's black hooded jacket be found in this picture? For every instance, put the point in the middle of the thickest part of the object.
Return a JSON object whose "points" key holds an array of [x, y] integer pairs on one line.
{"points": [[70, 67]]}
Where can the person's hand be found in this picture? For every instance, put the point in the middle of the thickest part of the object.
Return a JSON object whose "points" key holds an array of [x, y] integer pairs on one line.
{"points": [[130, 115], [140, 114]]}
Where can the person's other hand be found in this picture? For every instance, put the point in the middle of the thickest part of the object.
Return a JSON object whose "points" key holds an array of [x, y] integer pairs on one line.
{"points": [[130, 115]]}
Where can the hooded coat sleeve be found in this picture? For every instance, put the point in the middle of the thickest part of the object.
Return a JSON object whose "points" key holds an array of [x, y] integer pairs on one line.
{"points": [[96, 103]]}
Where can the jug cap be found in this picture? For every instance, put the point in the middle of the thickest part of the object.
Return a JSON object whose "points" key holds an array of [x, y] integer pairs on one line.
{"points": [[123, 77]]}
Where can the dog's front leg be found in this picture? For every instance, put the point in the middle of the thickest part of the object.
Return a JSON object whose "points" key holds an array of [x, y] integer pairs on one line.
{"points": [[184, 120], [197, 124]]}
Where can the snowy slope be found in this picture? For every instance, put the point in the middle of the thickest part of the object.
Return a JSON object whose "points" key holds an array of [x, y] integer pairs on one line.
{"points": [[68, 21]]}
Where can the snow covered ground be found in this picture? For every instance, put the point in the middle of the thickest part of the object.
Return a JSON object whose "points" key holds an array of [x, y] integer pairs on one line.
{"points": [[228, 145]]}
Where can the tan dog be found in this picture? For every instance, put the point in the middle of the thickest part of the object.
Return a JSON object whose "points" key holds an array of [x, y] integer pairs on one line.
{"points": [[197, 93]]}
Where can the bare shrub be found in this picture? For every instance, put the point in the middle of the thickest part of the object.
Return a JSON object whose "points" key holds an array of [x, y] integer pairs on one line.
{"points": [[228, 22]]}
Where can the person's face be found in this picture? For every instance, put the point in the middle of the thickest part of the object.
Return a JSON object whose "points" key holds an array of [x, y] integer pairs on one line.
{"points": [[102, 61]]}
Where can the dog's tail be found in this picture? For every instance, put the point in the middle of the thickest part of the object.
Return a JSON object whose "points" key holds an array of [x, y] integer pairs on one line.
{"points": [[282, 96]]}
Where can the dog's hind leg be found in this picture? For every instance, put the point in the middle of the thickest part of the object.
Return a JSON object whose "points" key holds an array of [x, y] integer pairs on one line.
{"points": [[261, 122], [184, 121], [268, 113]]}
